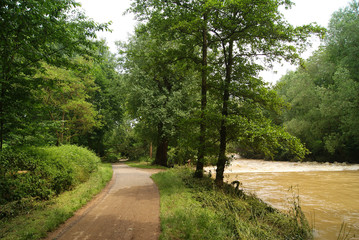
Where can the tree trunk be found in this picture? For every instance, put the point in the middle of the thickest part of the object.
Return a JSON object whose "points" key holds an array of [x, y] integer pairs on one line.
{"points": [[222, 159], [151, 150], [3, 81], [202, 137], [162, 147], [2, 117], [1, 131]]}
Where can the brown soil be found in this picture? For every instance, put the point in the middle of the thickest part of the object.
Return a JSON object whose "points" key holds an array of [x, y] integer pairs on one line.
{"points": [[128, 208]]}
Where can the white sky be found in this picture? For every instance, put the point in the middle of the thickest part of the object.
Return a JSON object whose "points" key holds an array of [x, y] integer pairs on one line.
{"points": [[304, 12]]}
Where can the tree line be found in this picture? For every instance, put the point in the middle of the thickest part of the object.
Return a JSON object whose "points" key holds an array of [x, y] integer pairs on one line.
{"points": [[323, 93]]}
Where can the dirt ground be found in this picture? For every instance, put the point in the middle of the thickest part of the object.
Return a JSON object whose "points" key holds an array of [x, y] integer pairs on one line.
{"points": [[128, 208]]}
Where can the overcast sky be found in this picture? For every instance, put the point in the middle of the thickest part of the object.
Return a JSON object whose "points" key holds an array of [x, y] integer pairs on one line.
{"points": [[304, 11]]}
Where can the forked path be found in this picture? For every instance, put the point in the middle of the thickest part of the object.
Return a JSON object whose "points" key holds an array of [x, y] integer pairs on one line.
{"points": [[127, 209]]}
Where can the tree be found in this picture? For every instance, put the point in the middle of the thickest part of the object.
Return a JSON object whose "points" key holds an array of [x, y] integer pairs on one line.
{"points": [[157, 85], [65, 97], [186, 21], [323, 94], [323, 114], [342, 40], [235, 33], [245, 30], [108, 100], [302, 119], [32, 32]]}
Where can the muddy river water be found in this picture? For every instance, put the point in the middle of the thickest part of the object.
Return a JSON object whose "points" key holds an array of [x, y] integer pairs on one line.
{"points": [[328, 193]]}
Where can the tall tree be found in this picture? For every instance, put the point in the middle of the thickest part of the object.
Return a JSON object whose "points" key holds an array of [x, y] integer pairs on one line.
{"points": [[187, 21], [158, 86], [204, 88], [246, 30], [34, 31], [108, 100]]}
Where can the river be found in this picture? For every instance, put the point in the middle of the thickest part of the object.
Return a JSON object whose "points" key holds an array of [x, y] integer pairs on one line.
{"points": [[328, 193]]}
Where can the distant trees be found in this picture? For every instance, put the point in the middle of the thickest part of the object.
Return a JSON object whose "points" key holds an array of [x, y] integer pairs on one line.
{"points": [[342, 42], [65, 96], [323, 95], [108, 101], [157, 85]]}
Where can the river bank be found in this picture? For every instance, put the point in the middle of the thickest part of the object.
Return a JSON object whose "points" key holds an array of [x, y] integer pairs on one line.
{"points": [[196, 209]]}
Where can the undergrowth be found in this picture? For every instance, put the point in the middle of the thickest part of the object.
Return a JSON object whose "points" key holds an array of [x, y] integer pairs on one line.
{"points": [[43, 172], [196, 209], [37, 218]]}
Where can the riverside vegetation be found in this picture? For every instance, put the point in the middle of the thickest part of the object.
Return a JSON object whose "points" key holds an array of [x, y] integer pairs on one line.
{"points": [[197, 209]]}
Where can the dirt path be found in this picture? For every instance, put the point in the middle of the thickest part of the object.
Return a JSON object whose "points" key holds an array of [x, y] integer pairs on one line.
{"points": [[126, 209]]}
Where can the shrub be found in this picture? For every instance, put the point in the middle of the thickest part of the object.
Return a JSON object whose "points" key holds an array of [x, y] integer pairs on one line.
{"points": [[43, 172]]}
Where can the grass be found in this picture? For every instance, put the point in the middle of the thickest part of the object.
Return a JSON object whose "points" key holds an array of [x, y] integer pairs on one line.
{"points": [[196, 209], [48, 215], [144, 164]]}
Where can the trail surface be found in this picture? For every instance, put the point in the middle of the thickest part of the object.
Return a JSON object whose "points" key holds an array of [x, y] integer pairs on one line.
{"points": [[128, 208]]}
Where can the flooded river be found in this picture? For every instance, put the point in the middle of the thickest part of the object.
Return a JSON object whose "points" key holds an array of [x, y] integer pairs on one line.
{"points": [[329, 193]]}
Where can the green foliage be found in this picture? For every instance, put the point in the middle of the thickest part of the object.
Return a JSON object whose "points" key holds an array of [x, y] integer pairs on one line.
{"points": [[43, 172], [36, 218], [324, 95], [196, 209], [342, 39], [65, 95], [108, 100], [266, 140], [323, 116], [125, 141], [145, 163], [158, 88], [33, 32]]}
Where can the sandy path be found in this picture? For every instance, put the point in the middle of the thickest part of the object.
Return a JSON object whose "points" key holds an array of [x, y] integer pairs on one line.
{"points": [[126, 209]]}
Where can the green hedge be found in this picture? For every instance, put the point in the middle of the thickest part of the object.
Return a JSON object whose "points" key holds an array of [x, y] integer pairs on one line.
{"points": [[43, 172]]}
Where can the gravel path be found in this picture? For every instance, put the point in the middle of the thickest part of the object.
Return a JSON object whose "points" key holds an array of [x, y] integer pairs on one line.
{"points": [[128, 208]]}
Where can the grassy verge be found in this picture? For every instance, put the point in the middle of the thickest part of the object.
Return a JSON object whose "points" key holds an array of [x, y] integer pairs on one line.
{"points": [[142, 164], [47, 215], [196, 209]]}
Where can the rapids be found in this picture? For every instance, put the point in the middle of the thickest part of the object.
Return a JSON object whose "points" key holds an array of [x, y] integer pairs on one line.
{"points": [[328, 192]]}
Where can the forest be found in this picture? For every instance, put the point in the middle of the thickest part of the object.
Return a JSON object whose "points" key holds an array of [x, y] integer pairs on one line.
{"points": [[323, 94], [186, 85]]}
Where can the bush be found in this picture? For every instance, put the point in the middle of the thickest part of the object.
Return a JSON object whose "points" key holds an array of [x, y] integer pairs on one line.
{"points": [[43, 172], [31, 219]]}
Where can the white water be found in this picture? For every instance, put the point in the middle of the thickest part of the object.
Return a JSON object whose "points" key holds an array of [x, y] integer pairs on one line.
{"points": [[329, 193], [248, 165]]}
